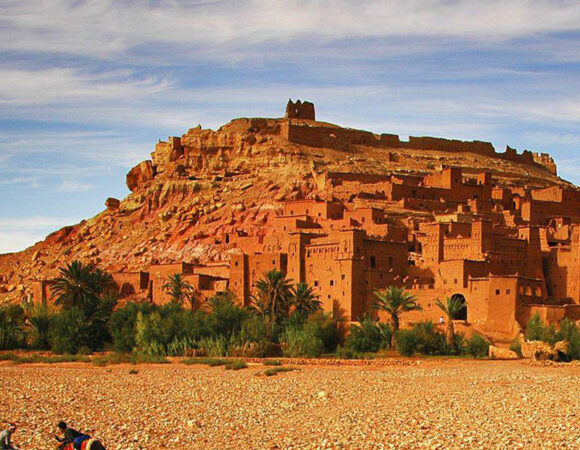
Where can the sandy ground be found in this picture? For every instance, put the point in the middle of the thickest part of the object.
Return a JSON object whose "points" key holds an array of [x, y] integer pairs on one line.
{"points": [[437, 404]]}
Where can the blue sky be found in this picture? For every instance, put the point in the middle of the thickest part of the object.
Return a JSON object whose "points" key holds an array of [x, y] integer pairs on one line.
{"points": [[87, 88]]}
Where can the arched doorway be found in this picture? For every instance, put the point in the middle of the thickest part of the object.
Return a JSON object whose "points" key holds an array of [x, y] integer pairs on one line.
{"points": [[461, 315]]}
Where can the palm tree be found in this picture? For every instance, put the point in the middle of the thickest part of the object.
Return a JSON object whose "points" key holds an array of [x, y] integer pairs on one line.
{"points": [[452, 306], [180, 290], [303, 299], [80, 285], [273, 296], [395, 301]]}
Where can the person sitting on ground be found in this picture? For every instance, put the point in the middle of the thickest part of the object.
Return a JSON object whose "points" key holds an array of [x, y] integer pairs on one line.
{"points": [[6, 438], [71, 436]]}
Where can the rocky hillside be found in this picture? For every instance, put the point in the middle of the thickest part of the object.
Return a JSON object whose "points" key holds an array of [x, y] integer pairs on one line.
{"points": [[207, 183]]}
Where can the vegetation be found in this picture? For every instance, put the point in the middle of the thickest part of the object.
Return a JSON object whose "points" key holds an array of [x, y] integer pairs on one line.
{"points": [[395, 301], [236, 365], [568, 331], [276, 370], [284, 319], [477, 346], [181, 291], [369, 336], [451, 308]]}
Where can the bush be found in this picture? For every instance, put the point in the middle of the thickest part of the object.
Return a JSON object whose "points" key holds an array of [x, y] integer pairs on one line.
{"points": [[38, 330], [406, 342], [69, 331], [272, 362], [366, 337], [429, 340], [569, 332], [535, 329], [214, 346], [477, 346], [226, 317], [328, 330], [304, 342], [516, 347], [11, 327], [122, 325], [348, 353], [236, 365], [212, 362], [140, 358], [254, 329], [276, 370]]}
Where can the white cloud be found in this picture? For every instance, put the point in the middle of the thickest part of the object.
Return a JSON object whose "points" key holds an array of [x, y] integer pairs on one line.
{"points": [[113, 27], [73, 186], [30, 181]]}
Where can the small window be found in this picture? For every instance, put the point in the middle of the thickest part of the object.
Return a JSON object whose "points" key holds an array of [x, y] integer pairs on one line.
{"points": [[343, 276], [373, 262], [497, 291], [455, 281], [236, 264], [508, 291], [332, 282], [273, 261], [315, 282]]}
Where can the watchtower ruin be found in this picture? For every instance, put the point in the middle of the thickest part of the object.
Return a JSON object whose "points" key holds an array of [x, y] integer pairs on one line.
{"points": [[300, 110]]}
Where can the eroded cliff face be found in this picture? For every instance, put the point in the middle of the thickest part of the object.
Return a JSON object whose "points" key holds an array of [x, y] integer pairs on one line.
{"points": [[198, 188]]}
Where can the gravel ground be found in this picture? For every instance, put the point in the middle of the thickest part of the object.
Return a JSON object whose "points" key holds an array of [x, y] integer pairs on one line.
{"points": [[437, 404]]}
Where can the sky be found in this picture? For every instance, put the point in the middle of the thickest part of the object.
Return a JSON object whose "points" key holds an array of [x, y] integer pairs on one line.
{"points": [[88, 87]]}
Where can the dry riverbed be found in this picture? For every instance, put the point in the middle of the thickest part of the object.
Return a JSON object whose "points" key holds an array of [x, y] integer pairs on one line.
{"points": [[436, 404]]}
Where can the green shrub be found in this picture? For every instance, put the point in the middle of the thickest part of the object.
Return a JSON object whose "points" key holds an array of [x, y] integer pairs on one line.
{"points": [[429, 340], [303, 342], [535, 329], [122, 325], [226, 316], [477, 346], [236, 365], [272, 362], [516, 346], [35, 358], [328, 330], [406, 342], [212, 362], [11, 327], [70, 331], [139, 358], [366, 337], [214, 346], [254, 329], [348, 353], [569, 331], [38, 330], [276, 370]]}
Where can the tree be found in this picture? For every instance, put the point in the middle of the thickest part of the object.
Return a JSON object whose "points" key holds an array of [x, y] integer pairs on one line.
{"points": [[304, 300], [81, 285], [452, 306], [396, 301], [273, 297], [181, 291]]}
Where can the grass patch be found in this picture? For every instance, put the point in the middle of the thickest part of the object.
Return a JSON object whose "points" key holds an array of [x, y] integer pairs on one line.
{"points": [[39, 359], [236, 365], [272, 362], [138, 358], [8, 357], [111, 358], [276, 370], [212, 362], [133, 372]]}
